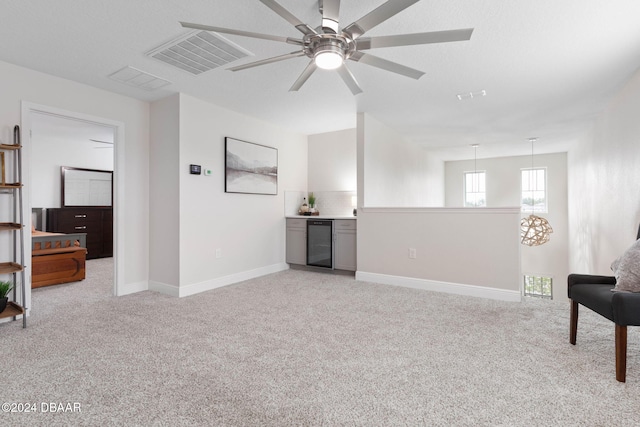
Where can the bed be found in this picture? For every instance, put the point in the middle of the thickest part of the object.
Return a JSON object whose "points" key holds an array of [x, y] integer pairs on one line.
{"points": [[57, 258]]}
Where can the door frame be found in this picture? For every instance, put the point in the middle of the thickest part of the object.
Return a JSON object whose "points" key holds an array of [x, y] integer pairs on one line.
{"points": [[29, 108]]}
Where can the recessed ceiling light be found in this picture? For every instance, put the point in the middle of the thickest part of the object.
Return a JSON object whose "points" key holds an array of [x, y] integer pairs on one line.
{"points": [[471, 95]]}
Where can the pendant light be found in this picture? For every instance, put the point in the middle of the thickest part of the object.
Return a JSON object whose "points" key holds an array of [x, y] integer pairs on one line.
{"points": [[534, 230], [475, 157], [475, 181]]}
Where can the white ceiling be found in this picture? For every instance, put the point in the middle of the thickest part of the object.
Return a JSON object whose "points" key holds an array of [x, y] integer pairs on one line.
{"points": [[548, 66]]}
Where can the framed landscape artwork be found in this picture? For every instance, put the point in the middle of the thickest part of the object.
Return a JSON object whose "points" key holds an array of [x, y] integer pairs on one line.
{"points": [[250, 168]]}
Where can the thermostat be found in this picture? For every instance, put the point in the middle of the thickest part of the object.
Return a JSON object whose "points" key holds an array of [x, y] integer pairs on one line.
{"points": [[196, 169]]}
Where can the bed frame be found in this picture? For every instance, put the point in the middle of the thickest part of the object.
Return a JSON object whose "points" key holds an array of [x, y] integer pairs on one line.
{"points": [[58, 258]]}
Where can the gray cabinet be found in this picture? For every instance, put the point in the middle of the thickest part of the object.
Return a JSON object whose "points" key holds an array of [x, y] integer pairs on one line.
{"points": [[344, 243], [296, 251], [345, 250]]}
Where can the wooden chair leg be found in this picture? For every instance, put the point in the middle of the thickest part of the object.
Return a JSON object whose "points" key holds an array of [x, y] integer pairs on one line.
{"points": [[573, 324], [621, 353]]}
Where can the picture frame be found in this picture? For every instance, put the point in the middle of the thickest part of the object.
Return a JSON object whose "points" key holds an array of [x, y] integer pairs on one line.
{"points": [[250, 168]]}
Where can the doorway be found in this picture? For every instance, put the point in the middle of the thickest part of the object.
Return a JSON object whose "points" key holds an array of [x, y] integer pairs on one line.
{"points": [[72, 139]]}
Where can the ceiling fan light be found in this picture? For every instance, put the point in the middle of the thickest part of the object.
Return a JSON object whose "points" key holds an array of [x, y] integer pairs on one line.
{"points": [[329, 59]]}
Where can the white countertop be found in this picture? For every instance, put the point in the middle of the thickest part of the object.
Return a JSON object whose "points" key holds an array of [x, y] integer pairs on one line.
{"points": [[322, 216]]}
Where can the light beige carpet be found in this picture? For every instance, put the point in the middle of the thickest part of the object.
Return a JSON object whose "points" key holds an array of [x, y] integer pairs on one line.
{"points": [[304, 348]]}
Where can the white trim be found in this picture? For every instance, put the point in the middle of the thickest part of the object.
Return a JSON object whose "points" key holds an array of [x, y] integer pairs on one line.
{"points": [[207, 285], [493, 211], [546, 192], [437, 286], [219, 282], [164, 288], [118, 186], [132, 288], [465, 193]]}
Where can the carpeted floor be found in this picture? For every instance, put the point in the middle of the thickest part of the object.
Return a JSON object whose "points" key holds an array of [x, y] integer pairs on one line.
{"points": [[305, 348]]}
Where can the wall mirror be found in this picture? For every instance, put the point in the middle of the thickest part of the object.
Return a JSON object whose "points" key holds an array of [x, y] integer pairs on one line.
{"points": [[86, 187]]}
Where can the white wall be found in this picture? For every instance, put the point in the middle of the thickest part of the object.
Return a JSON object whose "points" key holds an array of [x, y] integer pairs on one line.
{"points": [[466, 251], [435, 179], [463, 251], [503, 180], [604, 177], [503, 190], [332, 164], [396, 172], [21, 84], [164, 192], [248, 229]]}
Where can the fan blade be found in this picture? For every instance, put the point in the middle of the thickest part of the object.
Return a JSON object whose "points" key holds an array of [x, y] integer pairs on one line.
{"points": [[376, 16], [384, 64], [241, 33], [330, 15], [304, 76], [301, 26], [267, 61], [349, 80], [417, 38]]}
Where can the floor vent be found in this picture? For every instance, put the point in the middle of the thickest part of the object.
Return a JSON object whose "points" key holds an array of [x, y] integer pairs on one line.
{"points": [[136, 78], [199, 51]]}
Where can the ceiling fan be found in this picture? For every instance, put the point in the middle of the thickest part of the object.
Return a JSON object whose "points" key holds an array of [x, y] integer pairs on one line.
{"points": [[328, 46]]}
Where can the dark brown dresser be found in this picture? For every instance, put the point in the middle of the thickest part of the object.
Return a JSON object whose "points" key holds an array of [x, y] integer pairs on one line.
{"points": [[96, 222]]}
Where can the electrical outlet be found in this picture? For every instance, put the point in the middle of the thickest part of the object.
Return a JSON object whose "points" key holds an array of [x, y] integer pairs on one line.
{"points": [[218, 253], [412, 253]]}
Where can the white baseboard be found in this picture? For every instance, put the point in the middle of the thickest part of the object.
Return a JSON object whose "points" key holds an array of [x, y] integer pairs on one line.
{"points": [[164, 288], [132, 288], [432, 285], [208, 285]]}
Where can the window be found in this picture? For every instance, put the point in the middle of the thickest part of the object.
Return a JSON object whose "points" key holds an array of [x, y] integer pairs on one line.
{"points": [[534, 190], [538, 286], [474, 189]]}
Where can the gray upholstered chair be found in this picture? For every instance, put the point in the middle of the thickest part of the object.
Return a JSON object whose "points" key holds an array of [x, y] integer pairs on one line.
{"points": [[623, 309]]}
